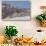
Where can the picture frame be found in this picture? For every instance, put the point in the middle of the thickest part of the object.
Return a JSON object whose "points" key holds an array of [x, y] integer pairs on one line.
{"points": [[16, 10]]}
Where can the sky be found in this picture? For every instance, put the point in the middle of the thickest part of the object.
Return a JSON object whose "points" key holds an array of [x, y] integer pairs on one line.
{"points": [[19, 4]]}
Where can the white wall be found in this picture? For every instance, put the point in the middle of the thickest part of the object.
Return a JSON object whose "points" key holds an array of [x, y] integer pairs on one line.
{"points": [[25, 27]]}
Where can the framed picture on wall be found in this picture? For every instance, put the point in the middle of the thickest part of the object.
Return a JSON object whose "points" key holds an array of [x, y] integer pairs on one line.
{"points": [[16, 10]]}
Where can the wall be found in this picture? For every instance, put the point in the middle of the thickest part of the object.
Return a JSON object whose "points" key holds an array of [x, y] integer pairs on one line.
{"points": [[27, 28]]}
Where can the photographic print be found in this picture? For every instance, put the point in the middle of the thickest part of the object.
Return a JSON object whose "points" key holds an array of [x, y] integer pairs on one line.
{"points": [[16, 10]]}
